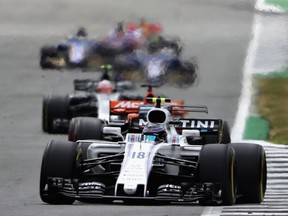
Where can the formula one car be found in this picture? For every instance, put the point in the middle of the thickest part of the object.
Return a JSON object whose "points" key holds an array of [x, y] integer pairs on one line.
{"points": [[76, 51], [124, 112], [90, 99], [158, 164], [157, 64], [124, 38], [79, 51]]}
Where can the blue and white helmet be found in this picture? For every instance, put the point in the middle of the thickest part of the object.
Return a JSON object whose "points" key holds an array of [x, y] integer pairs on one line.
{"points": [[158, 132]]}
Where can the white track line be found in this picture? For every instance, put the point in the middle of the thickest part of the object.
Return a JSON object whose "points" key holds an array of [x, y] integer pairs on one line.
{"points": [[243, 111], [247, 89], [262, 6], [244, 106]]}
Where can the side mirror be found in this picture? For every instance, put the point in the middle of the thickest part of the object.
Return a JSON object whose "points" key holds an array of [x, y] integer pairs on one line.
{"points": [[193, 137], [112, 130]]}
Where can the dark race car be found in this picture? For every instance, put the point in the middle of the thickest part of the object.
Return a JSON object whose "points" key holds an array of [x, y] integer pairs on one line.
{"points": [[157, 64], [75, 51], [91, 98], [164, 162], [79, 51]]}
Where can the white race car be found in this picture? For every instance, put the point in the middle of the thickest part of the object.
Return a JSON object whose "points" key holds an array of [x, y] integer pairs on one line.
{"points": [[89, 100], [163, 163]]}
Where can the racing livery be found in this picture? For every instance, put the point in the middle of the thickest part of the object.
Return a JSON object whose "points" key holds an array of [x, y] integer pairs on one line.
{"points": [[74, 52], [125, 112], [157, 64], [157, 164], [88, 100], [79, 51]]}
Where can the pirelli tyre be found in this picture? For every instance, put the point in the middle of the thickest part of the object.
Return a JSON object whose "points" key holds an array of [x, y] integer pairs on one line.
{"points": [[54, 108], [226, 138], [251, 172], [59, 161], [217, 165], [47, 52], [82, 128]]}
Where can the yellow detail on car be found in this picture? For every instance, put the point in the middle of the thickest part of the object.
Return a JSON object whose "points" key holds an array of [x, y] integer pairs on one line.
{"points": [[261, 176], [59, 62]]}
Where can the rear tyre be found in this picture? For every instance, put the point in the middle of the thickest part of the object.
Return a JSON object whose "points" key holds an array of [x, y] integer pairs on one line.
{"points": [[83, 128], [54, 107], [217, 165], [226, 133], [225, 139], [251, 172], [45, 53], [58, 161]]}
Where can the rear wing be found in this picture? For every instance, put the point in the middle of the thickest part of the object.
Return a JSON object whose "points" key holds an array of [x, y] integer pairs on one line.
{"points": [[124, 107], [203, 125], [88, 85], [180, 109]]}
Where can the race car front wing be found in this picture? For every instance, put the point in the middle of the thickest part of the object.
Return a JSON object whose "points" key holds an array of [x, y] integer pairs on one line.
{"points": [[205, 193]]}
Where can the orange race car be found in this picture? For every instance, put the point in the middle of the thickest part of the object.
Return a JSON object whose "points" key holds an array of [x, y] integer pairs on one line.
{"points": [[137, 107], [126, 113]]}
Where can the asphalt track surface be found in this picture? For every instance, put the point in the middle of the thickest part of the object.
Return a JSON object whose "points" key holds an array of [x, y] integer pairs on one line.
{"points": [[217, 32]]}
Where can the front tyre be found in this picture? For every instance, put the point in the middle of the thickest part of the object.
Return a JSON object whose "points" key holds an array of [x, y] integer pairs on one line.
{"points": [[58, 161], [217, 165], [83, 128], [54, 107]]}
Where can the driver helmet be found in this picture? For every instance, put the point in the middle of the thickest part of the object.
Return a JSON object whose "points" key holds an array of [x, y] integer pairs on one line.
{"points": [[105, 86], [81, 32], [154, 132], [120, 29]]}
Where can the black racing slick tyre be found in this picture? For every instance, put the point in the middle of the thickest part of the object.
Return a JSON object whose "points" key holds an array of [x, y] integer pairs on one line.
{"points": [[226, 138], [251, 172], [45, 53], [58, 160], [83, 128], [54, 107], [217, 165]]}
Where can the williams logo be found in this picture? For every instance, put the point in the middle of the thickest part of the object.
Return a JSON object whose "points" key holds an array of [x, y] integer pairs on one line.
{"points": [[186, 123]]}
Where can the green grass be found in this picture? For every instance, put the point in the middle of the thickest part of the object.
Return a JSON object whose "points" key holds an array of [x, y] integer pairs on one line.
{"points": [[272, 105], [257, 129], [279, 74], [280, 3]]}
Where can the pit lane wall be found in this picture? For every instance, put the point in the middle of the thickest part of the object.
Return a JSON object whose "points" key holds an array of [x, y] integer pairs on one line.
{"points": [[266, 56]]}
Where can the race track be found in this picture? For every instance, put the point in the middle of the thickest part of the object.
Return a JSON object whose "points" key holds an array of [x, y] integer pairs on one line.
{"points": [[217, 32]]}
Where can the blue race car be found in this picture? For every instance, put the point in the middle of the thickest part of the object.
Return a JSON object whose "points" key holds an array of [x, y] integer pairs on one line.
{"points": [[75, 51]]}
